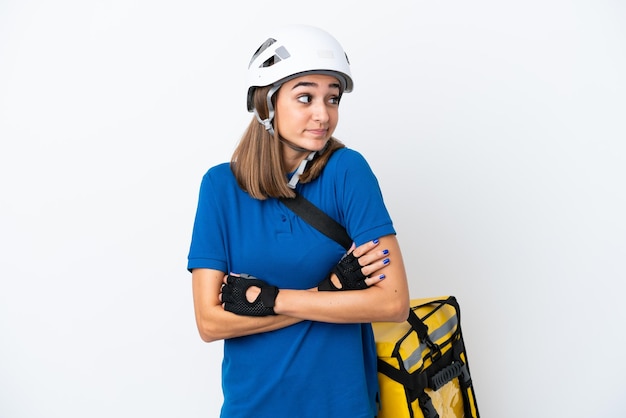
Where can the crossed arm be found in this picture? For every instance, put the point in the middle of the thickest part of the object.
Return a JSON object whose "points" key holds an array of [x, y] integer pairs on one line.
{"points": [[383, 300]]}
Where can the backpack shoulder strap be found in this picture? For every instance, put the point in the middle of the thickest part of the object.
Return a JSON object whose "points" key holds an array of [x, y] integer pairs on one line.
{"points": [[318, 219]]}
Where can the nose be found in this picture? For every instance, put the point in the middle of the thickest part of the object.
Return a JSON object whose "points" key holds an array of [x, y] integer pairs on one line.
{"points": [[320, 112]]}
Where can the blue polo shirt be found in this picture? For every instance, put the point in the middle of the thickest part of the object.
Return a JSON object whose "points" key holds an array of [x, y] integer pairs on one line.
{"points": [[310, 369]]}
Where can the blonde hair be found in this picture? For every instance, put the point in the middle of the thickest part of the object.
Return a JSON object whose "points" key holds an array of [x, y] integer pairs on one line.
{"points": [[257, 162]]}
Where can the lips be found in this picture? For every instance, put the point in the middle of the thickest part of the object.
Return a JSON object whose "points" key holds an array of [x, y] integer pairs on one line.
{"points": [[318, 132]]}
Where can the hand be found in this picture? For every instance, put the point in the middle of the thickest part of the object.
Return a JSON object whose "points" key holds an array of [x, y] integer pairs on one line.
{"points": [[353, 270], [234, 296]]}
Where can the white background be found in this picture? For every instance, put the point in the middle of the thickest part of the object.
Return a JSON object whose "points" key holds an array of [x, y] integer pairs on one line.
{"points": [[497, 131]]}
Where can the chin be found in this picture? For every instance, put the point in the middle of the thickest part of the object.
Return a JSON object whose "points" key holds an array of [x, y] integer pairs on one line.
{"points": [[318, 145]]}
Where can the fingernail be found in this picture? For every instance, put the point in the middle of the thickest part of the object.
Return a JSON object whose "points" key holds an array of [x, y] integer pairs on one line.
{"points": [[375, 241], [385, 252], [386, 261], [382, 276]]}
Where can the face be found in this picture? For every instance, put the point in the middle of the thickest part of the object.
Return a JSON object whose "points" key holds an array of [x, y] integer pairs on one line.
{"points": [[307, 111]]}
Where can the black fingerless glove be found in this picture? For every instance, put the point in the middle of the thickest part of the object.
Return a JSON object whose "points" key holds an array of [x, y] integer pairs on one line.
{"points": [[349, 273], [234, 296]]}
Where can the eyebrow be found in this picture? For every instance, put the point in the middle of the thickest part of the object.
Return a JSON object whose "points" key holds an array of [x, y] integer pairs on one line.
{"points": [[311, 84]]}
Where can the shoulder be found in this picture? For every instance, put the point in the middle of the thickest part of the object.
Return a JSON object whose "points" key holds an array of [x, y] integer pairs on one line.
{"points": [[219, 180], [218, 174], [219, 171], [347, 154], [347, 160]]}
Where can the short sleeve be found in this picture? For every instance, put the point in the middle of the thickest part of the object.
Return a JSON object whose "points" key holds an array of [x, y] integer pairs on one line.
{"points": [[207, 248]]}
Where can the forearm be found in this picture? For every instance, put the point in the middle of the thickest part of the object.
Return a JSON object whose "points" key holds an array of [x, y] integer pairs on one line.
{"points": [[218, 324], [214, 323], [351, 306]]}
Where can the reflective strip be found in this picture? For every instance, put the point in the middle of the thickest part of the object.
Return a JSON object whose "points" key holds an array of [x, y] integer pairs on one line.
{"points": [[447, 328]]}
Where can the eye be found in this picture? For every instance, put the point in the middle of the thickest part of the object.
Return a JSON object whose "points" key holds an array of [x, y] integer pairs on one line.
{"points": [[334, 100], [305, 98]]}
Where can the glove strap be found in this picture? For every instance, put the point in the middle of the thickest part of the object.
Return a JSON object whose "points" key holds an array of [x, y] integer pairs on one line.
{"points": [[268, 296]]}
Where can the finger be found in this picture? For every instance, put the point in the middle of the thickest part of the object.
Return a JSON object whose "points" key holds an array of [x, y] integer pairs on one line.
{"points": [[372, 281], [374, 267], [373, 256], [364, 248]]}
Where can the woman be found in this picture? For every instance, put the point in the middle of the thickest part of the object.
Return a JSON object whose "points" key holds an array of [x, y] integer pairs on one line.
{"points": [[291, 350]]}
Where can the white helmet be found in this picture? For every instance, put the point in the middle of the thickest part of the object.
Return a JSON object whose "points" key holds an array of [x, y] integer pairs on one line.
{"points": [[293, 50]]}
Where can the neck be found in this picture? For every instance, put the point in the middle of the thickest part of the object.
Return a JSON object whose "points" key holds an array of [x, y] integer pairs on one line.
{"points": [[293, 155]]}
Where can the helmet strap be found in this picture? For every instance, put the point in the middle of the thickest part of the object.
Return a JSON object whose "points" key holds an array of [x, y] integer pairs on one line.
{"points": [[268, 123], [293, 181], [292, 146]]}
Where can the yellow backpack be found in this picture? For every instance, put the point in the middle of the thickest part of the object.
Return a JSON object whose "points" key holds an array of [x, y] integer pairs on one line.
{"points": [[422, 363]]}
